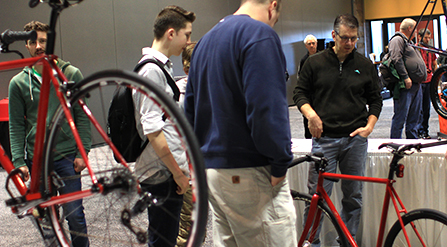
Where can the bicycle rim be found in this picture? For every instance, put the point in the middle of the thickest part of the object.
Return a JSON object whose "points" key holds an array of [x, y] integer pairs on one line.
{"points": [[438, 91], [330, 234], [106, 212], [430, 225]]}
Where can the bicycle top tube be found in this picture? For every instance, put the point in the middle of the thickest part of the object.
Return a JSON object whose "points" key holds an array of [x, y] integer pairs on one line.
{"points": [[26, 62]]}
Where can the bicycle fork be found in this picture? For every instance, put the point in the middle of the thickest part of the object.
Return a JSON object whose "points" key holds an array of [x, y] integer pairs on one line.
{"points": [[314, 215]]}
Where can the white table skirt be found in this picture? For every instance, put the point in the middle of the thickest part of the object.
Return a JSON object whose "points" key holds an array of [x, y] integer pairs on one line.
{"points": [[424, 184]]}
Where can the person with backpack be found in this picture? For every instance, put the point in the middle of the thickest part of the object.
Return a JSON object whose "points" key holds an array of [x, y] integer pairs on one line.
{"points": [[162, 168], [411, 68]]}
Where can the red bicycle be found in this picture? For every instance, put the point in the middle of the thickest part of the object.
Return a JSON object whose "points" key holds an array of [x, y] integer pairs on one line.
{"points": [[324, 226], [115, 206]]}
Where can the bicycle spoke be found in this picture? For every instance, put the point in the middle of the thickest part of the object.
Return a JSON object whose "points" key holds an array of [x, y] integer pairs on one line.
{"points": [[106, 213]]}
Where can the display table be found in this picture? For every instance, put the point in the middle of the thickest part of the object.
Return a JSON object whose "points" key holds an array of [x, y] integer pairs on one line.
{"points": [[424, 184]]}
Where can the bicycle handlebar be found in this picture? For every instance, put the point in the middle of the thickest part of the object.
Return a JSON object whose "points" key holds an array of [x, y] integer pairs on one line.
{"points": [[33, 3], [316, 157], [9, 37], [64, 3]]}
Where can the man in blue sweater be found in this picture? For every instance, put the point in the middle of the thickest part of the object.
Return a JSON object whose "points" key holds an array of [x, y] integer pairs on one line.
{"points": [[236, 102]]}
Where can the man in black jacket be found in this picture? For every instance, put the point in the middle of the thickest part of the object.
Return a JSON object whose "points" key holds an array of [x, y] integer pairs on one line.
{"points": [[333, 91]]}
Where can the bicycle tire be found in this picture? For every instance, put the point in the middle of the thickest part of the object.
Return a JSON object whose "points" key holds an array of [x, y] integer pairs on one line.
{"points": [[431, 225], [331, 233], [105, 212], [438, 91]]}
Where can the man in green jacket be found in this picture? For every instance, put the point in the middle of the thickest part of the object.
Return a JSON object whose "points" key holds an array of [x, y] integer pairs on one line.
{"points": [[24, 94]]}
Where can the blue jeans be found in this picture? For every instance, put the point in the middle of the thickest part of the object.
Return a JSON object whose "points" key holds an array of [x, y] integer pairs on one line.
{"points": [[349, 153], [407, 110], [425, 113], [164, 219], [73, 211]]}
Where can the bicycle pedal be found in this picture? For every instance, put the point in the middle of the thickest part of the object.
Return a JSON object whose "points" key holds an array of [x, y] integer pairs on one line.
{"points": [[30, 212], [15, 201]]}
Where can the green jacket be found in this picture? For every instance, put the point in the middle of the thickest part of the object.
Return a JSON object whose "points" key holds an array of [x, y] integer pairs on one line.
{"points": [[24, 94]]}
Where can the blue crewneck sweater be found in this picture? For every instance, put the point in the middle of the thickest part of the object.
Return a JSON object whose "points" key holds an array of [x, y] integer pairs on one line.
{"points": [[236, 96]]}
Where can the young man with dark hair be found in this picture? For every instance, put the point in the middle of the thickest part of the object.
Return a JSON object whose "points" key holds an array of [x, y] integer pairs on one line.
{"points": [[24, 92], [162, 168], [236, 101], [338, 92]]}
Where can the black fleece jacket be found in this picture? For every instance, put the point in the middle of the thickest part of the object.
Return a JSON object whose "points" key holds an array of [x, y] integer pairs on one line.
{"points": [[339, 92]]}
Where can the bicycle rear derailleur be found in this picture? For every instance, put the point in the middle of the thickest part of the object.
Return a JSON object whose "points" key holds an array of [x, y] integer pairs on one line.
{"points": [[146, 200]]}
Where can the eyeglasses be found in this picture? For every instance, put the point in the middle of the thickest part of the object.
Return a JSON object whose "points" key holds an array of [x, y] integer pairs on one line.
{"points": [[346, 39], [34, 42], [311, 43]]}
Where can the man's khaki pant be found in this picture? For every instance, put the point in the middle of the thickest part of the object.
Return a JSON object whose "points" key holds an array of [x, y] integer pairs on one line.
{"points": [[248, 211]]}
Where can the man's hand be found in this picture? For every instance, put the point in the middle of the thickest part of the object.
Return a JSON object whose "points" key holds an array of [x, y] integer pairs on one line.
{"points": [[363, 132], [276, 181], [408, 83], [182, 182], [79, 164], [315, 125], [25, 171], [158, 141]]}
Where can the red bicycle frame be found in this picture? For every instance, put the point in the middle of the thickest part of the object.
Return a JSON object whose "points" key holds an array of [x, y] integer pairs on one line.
{"points": [[321, 194], [51, 74]]}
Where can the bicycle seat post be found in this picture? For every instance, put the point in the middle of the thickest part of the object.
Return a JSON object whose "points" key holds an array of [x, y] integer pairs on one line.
{"points": [[51, 34]]}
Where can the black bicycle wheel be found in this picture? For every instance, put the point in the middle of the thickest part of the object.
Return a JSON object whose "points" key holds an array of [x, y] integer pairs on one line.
{"points": [[438, 91], [430, 225], [118, 216], [331, 233]]}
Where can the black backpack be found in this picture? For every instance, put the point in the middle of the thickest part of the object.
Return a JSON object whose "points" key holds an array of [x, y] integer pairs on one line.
{"points": [[121, 124]]}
